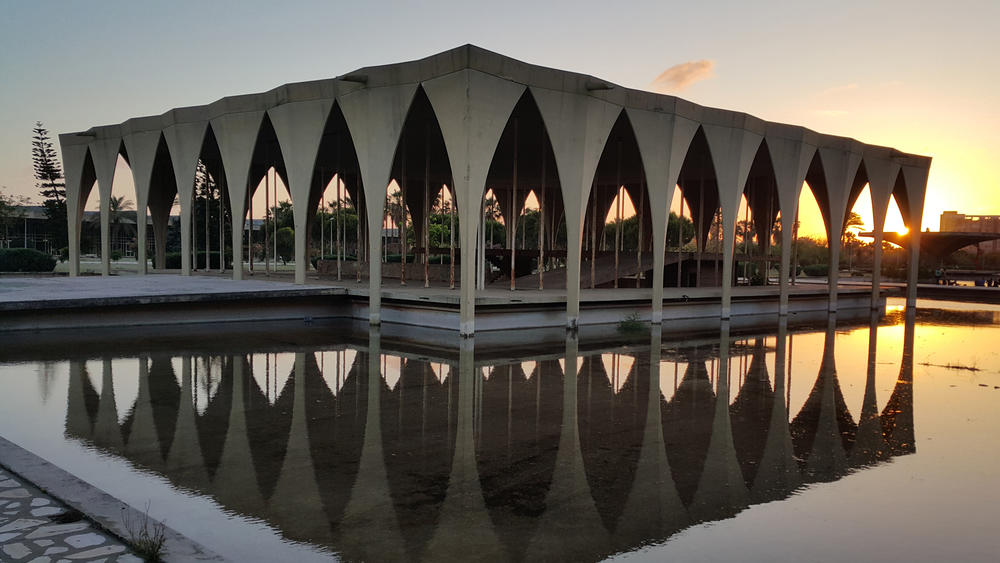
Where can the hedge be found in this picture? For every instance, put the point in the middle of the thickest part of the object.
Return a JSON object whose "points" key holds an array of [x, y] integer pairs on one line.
{"points": [[816, 270], [25, 260]]}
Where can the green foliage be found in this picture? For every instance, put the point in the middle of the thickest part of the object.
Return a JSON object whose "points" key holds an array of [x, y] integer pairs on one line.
{"points": [[145, 535], [25, 260], [812, 251], [48, 173], [677, 227], [631, 324], [816, 269], [116, 255], [286, 243], [10, 213]]}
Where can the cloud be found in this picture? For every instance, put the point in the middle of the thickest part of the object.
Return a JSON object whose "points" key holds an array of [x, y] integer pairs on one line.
{"points": [[679, 77]]}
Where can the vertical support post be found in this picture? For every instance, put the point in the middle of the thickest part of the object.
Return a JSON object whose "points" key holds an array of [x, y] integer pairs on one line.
{"points": [[222, 224], [426, 242], [451, 244], [339, 226], [250, 191], [618, 210], [186, 237], [680, 240], [267, 224], [638, 252], [541, 222], [402, 214], [593, 237], [512, 231], [914, 268], [877, 267]]}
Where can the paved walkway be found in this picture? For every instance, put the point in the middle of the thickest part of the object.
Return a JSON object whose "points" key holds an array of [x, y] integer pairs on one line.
{"points": [[37, 529]]}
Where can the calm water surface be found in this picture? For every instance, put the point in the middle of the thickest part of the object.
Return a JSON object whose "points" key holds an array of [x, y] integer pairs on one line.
{"points": [[852, 441]]}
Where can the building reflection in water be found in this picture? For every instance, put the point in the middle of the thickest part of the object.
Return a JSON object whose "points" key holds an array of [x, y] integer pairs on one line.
{"points": [[378, 454]]}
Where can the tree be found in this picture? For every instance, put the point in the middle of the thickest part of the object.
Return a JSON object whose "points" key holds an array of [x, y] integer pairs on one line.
{"points": [[48, 173], [116, 206], [11, 212]]}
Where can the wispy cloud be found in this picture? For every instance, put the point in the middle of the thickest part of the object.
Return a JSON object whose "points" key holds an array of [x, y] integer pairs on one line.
{"points": [[679, 77]]}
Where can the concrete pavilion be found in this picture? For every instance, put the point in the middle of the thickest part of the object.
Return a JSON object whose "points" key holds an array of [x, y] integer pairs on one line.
{"points": [[469, 120]]}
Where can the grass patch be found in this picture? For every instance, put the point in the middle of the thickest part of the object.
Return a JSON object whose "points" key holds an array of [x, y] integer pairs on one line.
{"points": [[631, 324], [145, 535]]}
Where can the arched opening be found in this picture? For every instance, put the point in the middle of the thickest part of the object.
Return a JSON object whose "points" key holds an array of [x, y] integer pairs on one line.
{"points": [[618, 225], [522, 210], [211, 227], [122, 214], [860, 219], [420, 173], [269, 232], [755, 256], [88, 219], [697, 212], [811, 225], [337, 216], [164, 210]]}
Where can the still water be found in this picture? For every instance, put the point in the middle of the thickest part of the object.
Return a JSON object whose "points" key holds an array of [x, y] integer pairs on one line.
{"points": [[839, 441]]}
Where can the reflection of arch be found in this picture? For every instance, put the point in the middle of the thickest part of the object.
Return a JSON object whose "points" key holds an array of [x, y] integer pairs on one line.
{"points": [[652, 508], [721, 488], [823, 431]]}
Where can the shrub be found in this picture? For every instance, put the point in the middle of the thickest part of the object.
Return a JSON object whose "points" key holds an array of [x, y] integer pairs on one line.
{"points": [[25, 260], [116, 255], [816, 270]]}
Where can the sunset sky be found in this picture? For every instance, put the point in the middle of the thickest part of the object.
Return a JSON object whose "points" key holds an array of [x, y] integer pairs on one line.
{"points": [[922, 77]]}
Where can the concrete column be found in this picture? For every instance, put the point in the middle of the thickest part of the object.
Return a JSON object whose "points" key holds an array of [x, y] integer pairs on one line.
{"points": [[733, 150], [299, 127], [881, 178], [840, 166], [915, 177], [105, 154], [375, 117], [237, 136], [791, 150], [472, 109], [184, 142], [663, 141], [141, 147], [74, 156], [578, 127]]}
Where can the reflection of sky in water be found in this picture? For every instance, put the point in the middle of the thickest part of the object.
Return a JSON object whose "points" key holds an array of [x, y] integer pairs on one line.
{"points": [[245, 450]]}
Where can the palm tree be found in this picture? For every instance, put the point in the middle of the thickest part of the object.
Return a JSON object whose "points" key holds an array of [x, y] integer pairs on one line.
{"points": [[116, 205]]}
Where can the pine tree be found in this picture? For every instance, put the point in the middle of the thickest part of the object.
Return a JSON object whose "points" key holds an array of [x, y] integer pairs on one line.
{"points": [[48, 173]]}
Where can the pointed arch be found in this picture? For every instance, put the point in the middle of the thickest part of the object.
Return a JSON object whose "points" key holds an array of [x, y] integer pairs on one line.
{"points": [[699, 192], [524, 163], [618, 193], [420, 166], [337, 165]]}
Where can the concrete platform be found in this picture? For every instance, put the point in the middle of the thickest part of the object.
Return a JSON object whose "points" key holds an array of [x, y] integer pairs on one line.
{"points": [[28, 303]]}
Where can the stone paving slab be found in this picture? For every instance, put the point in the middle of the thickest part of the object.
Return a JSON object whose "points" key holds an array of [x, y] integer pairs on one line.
{"points": [[35, 527], [85, 510]]}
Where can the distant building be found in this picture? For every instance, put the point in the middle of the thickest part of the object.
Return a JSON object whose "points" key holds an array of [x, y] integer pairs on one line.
{"points": [[955, 222]]}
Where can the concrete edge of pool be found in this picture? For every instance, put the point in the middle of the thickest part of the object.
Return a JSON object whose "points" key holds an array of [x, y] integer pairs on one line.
{"points": [[103, 510]]}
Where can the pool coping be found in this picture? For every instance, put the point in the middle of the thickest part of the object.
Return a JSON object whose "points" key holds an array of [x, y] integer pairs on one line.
{"points": [[103, 510]]}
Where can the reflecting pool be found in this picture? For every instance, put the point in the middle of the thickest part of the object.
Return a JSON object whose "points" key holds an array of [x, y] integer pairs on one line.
{"points": [[838, 441]]}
